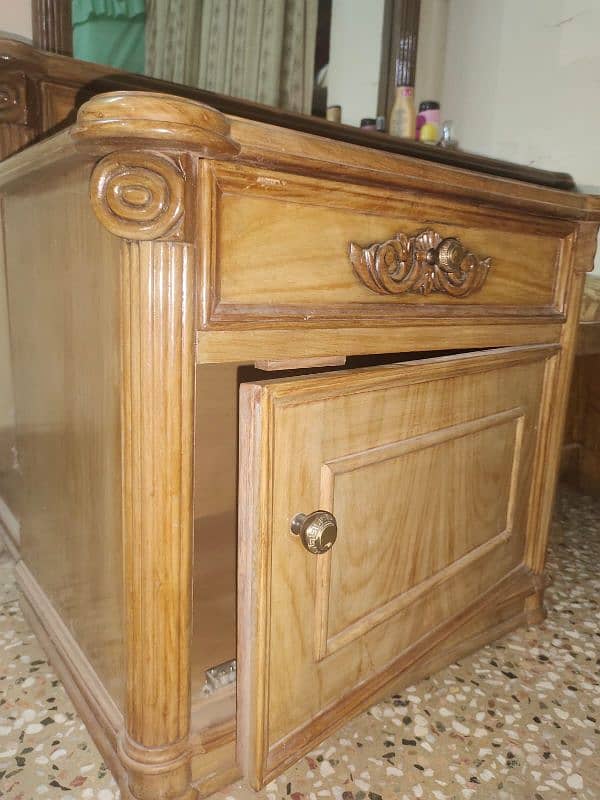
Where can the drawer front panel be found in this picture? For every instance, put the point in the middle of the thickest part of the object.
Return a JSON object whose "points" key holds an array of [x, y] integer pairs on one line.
{"points": [[290, 247], [426, 468]]}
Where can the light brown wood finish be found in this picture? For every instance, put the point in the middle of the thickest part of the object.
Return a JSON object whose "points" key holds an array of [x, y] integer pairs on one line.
{"points": [[100, 713], [372, 447], [301, 363], [581, 449], [188, 247], [215, 347], [311, 279], [137, 197], [553, 415], [64, 317], [587, 441], [7, 428], [157, 417], [140, 197]]}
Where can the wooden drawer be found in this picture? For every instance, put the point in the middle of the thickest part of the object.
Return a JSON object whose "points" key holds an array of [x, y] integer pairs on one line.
{"points": [[427, 468], [288, 248]]}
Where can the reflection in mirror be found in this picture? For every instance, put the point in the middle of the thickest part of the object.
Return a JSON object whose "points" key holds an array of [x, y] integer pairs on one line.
{"points": [[110, 32], [259, 51], [295, 55]]}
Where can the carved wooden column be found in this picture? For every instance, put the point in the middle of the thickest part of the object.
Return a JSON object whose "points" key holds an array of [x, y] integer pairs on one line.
{"points": [[157, 374], [140, 196]]}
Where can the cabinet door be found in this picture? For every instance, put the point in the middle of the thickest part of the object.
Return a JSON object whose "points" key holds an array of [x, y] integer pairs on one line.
{"points": [[426, 467]]}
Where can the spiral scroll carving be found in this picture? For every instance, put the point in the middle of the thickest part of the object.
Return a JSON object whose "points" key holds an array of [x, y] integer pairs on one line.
{"points": [[419, 264], [138, 195], [13, 99]]}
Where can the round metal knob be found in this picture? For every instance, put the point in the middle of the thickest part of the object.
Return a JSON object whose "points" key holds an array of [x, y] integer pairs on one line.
{"points": [[450, 254], [317, 531]]}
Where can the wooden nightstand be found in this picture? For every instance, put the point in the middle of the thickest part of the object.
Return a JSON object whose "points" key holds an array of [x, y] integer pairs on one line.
{"points": [[281, 400]]}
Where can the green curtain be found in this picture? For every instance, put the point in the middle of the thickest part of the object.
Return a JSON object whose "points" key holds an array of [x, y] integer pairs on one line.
{"points": [[110, 32], [261, 50]]}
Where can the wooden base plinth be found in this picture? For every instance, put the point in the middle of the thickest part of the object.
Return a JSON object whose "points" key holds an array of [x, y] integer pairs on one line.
{"points": [[94, 705], [516, 601]]}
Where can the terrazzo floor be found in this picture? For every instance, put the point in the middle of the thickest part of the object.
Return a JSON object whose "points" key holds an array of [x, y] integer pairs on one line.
{"points": [[518, 720]]}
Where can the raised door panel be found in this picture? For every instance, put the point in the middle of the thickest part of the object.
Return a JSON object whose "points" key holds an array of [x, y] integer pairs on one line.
{"points": [[426, 467], [411, 548]]}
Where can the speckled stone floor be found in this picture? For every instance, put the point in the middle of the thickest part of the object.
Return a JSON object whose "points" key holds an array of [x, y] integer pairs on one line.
{"points": [[518, 720]]}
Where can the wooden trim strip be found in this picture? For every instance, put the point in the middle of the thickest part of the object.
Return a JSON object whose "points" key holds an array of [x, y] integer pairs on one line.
{"points": [[241, 346], [253, 625], [310, 388], [224, 316]]}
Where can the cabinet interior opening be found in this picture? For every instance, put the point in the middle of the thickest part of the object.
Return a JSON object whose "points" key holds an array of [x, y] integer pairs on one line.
{"points": [[215, 522]]}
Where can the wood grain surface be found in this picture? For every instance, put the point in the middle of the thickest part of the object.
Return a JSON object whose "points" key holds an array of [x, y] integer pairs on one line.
{"points": [[156, 250], [64, 322], [427, 468]]}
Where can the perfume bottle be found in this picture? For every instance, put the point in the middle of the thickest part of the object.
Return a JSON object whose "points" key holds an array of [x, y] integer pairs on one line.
{"points": [[403, 115]]}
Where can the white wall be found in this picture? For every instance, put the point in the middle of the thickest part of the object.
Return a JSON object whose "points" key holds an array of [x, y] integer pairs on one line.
{"points": [[431, 52], [15, 17], [355, 58], [522, 82], [355, 55]]}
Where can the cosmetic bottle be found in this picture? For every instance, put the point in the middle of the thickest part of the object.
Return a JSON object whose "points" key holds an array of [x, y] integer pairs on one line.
{"points": [[429, 114], [368, 124], [403, 115]]}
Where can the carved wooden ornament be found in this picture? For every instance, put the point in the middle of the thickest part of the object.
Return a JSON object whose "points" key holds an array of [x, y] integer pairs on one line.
{"points": [[419, 264], [137, 195], [14, 99]]}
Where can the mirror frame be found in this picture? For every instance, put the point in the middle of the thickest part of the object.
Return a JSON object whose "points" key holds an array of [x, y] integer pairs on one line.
{"points": [[52, 28]]}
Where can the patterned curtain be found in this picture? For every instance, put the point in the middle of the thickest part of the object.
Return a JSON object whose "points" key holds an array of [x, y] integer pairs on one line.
{"points": [[260, 50]]}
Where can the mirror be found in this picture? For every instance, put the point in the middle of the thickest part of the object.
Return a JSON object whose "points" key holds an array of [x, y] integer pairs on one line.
{"points": [[296, 55], [519, 79]]}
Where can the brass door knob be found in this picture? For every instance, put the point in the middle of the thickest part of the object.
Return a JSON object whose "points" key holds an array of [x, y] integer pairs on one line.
{"points": [[317, 531], [448, 255]]}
